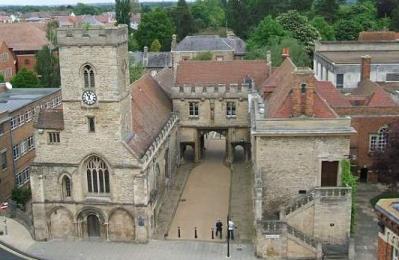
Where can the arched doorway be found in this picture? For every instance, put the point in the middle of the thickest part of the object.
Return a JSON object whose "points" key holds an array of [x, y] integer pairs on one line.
{"points": [[93, 226]]}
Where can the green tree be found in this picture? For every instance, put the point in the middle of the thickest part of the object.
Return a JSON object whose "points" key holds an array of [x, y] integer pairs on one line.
{"points": [[1, 78], [386, 7], [47, 67], [395, 19], [348, 180], [208, 13], [327, 8], [21, 195], [300, 28], [135, 72], [268, 28], [301, 5], [25, 79], [347, 30], [82, 9], [132, 43], [155, 46], [297, 52], [135, 6], [203, 56], [237, 17], [183, 20], [155, 25], [326, 31], [51, 31], [122, 12]]}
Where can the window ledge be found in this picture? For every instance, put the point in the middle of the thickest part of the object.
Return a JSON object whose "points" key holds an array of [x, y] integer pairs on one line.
{"points": [[232, 117], [193, 117], [98, 197]]}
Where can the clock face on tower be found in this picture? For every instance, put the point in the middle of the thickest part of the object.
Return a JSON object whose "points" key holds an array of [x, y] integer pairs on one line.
{"points": [[89, 97]]}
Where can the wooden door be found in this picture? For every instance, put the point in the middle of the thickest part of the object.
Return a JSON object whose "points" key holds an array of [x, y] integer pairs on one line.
{"points": [[329, 174]]}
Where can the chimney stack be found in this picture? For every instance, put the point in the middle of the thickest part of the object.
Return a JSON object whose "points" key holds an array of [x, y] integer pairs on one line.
{"points": [[145, 56], [365, 69], [174, 43], [286, 53], [303, 93], [269, 61]]}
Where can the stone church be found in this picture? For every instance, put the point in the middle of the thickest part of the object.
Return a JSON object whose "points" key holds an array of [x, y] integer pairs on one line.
{"points": [[104, 163]]}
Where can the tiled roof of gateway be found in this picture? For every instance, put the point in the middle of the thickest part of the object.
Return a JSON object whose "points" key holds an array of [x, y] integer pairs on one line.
{"points": [[221, 72], [23, 36], [50, 119], [378, 36], [151, 109]]}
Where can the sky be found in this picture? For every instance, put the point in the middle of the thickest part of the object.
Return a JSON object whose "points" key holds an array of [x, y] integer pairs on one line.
{"points": [[51, 2]]}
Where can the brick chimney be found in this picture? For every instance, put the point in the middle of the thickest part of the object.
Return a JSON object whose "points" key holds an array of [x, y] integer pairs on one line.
{"points": [[303, 93], [174, 43], [365, 69], [285, 53]]}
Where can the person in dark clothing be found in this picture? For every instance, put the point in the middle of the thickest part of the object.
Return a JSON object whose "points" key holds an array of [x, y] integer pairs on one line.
{"points": [[219, 228]]}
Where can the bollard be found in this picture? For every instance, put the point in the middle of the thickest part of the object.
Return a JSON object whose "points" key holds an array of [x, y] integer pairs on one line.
{"points": [[213, 235], [195, 233], [178, 232]]}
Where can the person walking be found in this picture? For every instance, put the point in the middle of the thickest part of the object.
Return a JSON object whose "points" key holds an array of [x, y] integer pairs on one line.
{"points": [[231, 227], [219, 228]]}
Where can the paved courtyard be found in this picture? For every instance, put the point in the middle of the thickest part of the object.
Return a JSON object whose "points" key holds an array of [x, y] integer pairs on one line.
{"points": [[205, 197], [366, 222]]}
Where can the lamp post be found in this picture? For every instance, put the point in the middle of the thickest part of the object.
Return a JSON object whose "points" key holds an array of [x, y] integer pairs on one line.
{"points": [[228, 237]]}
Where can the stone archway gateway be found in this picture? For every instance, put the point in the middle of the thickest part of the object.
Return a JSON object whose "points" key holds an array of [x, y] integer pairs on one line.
{"points": [[93, 226]]}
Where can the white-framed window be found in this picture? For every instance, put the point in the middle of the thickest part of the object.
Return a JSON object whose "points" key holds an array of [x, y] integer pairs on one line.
{"points": [[3, 160], [193, 108], [392, 77], [231, 109], [2, 129], [58, 100], [14, 123], [23, 176], [21, 119], [395, 253], [219, 58], [378, 141], [340, 81], [54, 137], [16, 151], [30, 143], [28, 115]]}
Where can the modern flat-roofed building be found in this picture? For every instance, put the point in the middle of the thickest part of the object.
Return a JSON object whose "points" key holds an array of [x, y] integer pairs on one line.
{"points": [[340, 62], [17, 145]]}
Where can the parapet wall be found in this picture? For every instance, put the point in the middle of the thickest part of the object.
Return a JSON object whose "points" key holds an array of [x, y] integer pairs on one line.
{"points": [[93, 36]]}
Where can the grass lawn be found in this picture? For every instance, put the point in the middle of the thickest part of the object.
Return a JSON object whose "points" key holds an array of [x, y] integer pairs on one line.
{"points": [[384, 195]]}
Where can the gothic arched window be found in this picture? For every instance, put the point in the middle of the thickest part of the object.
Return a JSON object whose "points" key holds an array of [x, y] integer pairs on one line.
{"points": [[379, 141], [97, 175], [66, 186], [88, 75]]}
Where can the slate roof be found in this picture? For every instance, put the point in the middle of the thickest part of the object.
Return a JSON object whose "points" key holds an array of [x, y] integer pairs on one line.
{"points": [[151, 110], [23, 36], [212, 43], [354, 57], [165, 79], [16, 98], [221, 72], [155, 59], [50, 119]]}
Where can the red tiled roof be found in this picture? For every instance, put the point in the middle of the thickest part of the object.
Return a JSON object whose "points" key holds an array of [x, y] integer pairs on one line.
{"points": [[380, 98], [332, 95], [151, 109], [23, 36], [221, 72]]}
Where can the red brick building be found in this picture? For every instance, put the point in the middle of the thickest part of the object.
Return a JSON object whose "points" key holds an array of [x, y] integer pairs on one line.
{"points": [[7, 62], [372, 110], [17, 145], [388, 237], [24, 40]]}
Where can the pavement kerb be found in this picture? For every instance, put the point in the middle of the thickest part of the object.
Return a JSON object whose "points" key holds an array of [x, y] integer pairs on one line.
{"points": [[16, 251]]}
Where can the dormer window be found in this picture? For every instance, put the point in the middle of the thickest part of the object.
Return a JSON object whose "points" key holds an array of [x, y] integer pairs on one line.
{"points": [[88, 75], [303, 88]]}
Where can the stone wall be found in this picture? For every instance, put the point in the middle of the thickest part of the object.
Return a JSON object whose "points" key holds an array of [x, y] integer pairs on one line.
{"points": [[301, 170]]}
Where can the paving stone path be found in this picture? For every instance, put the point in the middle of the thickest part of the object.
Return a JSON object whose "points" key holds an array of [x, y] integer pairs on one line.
{"points": [[366, 222], [241, 206], [205, 197]]}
